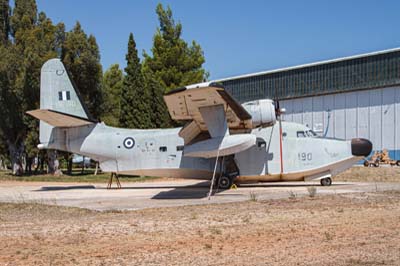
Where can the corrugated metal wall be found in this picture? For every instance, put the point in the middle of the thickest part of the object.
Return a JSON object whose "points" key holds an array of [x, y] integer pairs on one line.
{"points": [[371, 114]]}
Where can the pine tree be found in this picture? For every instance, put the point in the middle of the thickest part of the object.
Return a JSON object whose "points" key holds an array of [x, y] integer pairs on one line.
{"points": [[24, 15], [173, 62], [159, 113], [135, 112], [112, 86], [4, 21], [81, 57]]}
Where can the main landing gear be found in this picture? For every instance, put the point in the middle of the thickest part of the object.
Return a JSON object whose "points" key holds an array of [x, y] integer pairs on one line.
{"points": [[327, 181], [225, 182]]}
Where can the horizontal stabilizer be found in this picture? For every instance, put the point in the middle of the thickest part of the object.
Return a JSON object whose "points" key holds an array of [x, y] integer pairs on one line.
{"points": [[58, 119]]}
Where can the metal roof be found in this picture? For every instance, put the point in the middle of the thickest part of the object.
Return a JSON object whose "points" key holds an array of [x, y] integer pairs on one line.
{"points": [[309, 64]]}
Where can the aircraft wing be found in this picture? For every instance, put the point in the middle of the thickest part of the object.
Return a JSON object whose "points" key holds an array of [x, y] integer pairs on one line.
{"points": [[58, 119], [207, 107]]}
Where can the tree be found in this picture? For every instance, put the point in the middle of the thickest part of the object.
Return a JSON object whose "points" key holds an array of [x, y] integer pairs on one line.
{"points": [[35, 39], [112, 87], [173, 64], [3, 153], [135, 112], [11, 108], [24, 15], [4, 35], [159, 113], [33, 43], [4, 21], [80, 55]]}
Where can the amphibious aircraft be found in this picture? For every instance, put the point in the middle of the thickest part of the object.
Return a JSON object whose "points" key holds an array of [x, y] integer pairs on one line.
{"points": [[222, 140]]}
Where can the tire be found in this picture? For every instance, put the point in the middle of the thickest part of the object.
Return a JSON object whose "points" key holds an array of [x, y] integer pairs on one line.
{"points": [[225, 182], [366, 163], [376, 164], [325, 182], [398, 163]]}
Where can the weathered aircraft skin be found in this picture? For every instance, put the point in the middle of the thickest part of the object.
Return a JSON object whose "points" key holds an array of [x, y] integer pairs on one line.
{"points": [[254, 145]]}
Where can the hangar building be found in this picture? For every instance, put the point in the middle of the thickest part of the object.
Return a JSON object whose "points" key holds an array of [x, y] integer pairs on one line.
{"points": [[356, 96]]}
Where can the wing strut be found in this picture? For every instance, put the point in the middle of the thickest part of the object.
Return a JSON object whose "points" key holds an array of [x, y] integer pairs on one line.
{"points": [[213, 178]]}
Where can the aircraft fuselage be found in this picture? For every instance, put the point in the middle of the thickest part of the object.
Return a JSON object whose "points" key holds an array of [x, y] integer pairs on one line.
{"points": [[160, 152]]}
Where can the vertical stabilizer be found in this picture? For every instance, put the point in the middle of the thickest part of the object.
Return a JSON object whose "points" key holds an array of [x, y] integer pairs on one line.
{"points": [[57, 93]]}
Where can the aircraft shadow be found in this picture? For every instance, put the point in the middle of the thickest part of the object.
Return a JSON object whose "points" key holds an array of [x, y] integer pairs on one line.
{"points": [[195, 191], [158, 187], [55, 188], [183, 193]]}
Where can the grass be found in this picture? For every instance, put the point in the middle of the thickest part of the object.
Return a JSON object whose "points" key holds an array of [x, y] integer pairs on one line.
{"points": [[292, 195], [253, 196], [86, 177], [312, 191]]}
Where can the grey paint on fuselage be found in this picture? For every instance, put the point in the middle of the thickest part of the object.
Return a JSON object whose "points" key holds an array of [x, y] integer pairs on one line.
{"points": [[157, 152]]}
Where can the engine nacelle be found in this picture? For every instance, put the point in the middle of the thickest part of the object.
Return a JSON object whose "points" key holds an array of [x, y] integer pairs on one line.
{"points": [[262, 112]]}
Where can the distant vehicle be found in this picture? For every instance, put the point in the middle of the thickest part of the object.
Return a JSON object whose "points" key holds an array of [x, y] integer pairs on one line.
{"points": [[221, 138], [381, 158]]}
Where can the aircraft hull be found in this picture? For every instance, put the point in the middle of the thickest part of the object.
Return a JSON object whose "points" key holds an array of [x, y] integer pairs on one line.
{"points": [[155, 153]]}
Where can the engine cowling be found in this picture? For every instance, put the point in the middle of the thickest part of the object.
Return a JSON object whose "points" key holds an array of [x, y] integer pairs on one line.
{"points": [[262, 112]]}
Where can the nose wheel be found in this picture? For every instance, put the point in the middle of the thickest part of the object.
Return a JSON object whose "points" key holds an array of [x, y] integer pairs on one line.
{"points": [[326, 181]]}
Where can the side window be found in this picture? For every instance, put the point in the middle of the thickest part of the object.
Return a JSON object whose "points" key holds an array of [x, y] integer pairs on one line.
{"points": [[301, 134], [261, 143], [163, 148], [179, 148]]}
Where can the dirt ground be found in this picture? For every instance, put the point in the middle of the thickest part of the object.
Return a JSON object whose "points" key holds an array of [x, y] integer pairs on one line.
{"points": [[347, 229], [370, 174]]}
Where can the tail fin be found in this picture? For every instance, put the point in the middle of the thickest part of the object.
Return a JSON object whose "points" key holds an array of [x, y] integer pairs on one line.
{"points": [[57, 93]]}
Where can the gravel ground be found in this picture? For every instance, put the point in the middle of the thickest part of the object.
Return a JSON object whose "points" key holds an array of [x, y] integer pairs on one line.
{"points": [[346, 229]]}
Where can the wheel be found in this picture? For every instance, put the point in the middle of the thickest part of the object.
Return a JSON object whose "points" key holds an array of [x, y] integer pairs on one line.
{"points": [[366, 163], [225, 182], [376, 164], [398, 163], [326, 181]]}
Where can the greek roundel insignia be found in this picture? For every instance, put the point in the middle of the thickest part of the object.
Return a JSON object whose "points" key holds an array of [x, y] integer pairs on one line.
{"points": [[129, 143]]}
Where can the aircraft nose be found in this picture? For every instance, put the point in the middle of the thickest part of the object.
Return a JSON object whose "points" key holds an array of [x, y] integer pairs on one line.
{"points": [[361, 147]]}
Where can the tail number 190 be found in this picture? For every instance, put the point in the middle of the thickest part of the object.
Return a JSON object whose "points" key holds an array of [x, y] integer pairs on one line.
{"points": [[304, 156]]}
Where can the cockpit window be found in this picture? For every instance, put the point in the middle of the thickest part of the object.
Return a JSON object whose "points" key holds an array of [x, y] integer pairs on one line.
{"points": [[301, 134]]}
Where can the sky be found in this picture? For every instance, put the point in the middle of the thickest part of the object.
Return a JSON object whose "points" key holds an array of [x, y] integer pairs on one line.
{"points": [[240, 37]]}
